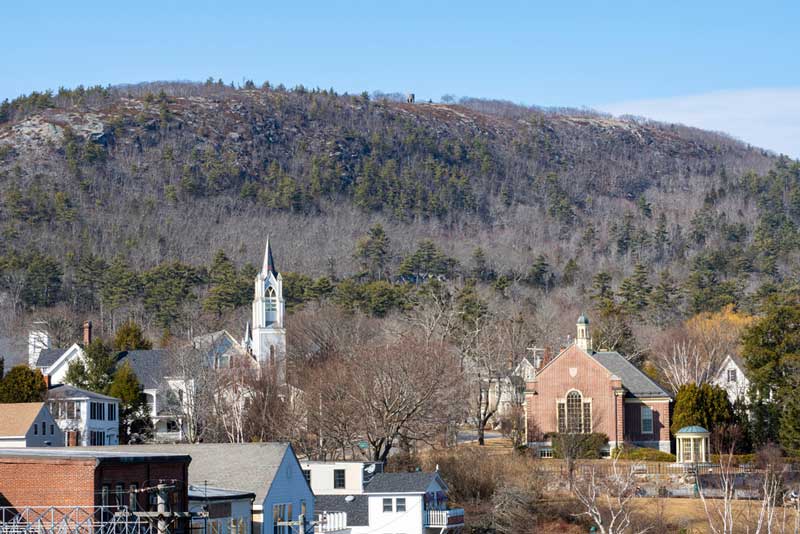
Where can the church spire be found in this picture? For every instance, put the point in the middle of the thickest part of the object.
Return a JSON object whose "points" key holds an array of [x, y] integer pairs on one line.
{"points": [[269, 261]]}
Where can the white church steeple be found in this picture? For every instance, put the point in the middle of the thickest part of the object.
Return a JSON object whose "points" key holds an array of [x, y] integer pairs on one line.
{"points": [[582, 340], [268, 332]]}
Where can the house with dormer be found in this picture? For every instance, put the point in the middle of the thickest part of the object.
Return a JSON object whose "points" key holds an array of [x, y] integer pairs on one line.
{"points": [[731, 377], [582, 390], [169, 390]]}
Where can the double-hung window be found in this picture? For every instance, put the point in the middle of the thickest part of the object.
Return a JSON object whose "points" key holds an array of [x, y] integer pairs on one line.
{"points": [[387, 505], [400, 504], [338, 478], [647, 420]]}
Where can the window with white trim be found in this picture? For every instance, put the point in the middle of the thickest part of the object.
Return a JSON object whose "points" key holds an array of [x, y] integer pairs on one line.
{"points": [[400, 504], [387, 505], [574, 414], [731, 375], [647, 419], [545, 453]]}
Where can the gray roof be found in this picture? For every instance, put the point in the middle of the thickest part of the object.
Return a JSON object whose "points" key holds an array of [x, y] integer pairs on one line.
{"points": [[357, 509], [201, 492], [400, 482], [49, 356], [635, 381], [150, 366], [106, 453], [247, 467], [65, 391]]}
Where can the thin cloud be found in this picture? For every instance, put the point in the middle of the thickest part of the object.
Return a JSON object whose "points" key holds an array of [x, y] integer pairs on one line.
{"points": [[767, 118]]}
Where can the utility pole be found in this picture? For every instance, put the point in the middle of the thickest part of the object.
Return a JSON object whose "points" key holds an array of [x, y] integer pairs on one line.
{"points": [[162, 493]]}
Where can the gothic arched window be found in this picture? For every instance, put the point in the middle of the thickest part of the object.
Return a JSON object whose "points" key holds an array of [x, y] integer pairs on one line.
{"points": [[270, 306]]}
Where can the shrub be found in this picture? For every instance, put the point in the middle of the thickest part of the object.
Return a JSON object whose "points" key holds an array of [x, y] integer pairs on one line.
{"points": [[644, 454], [585, 446]]}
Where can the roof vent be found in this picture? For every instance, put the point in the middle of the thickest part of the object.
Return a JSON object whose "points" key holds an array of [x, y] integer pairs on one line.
{"points": [[349, 498]]}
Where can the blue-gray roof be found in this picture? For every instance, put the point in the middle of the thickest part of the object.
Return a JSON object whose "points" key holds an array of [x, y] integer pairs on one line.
{"points": [[634, 380], [416, 482], [201, 492], [694, 429], [150, 366], [583, 319], [246, 467], [356, 508], [49, 356]]}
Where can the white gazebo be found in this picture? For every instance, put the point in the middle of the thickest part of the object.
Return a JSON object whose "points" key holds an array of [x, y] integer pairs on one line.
{"points": [[692, 442]]}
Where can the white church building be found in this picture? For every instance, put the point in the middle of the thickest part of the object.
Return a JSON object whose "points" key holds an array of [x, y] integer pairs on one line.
{"points": [[265, 335], [168, 395]]}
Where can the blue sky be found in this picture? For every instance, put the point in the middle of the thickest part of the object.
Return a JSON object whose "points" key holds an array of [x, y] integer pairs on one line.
{"points": [[730, 66]]}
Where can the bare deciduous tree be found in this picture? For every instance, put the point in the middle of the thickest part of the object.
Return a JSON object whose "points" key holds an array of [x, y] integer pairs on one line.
{"points": [[606, 497]]}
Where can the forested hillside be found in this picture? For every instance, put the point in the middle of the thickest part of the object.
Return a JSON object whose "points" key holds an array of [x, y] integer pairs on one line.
{"points": [[116, 203]]}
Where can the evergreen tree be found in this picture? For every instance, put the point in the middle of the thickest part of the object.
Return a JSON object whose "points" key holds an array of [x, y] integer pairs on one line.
{"points": [[22, 384], [133, 413], [95, 371], [372, 250], [481, 269], [704, 405], [470, 307], [661, 236], [425, 262], [664, 299], [131, 337], [224, 293], [120, 286], [43, 281], [89, 280], [602, 296], [571, 272], [635, 290], [539, 275]]}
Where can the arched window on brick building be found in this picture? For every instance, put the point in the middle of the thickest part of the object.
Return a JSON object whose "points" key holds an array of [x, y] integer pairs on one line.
{"points": [[575, 414]]}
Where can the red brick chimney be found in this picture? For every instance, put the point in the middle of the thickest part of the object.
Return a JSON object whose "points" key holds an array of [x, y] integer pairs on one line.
{"points": [[87, 333]]}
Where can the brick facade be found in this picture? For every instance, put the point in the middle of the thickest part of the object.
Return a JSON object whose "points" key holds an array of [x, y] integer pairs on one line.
{"points": [[613, 410], [53, 479]]}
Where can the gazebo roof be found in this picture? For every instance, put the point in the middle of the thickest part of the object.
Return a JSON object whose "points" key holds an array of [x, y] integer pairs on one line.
{"points": [[694, 429]]}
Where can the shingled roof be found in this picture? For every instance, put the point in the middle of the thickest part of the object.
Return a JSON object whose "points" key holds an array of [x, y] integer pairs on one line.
{"points": [[247, 467], [16, 418], [357, 507], [150, 366], [49, 356], [633, 379], [417, 482]]}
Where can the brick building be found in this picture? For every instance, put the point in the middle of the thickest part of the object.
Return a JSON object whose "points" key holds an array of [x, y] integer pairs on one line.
{"points": [[71, 477], [583, 390]]}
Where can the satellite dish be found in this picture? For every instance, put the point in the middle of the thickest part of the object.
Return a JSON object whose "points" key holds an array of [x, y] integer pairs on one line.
{"points": [[349, 498], [370, 469]]}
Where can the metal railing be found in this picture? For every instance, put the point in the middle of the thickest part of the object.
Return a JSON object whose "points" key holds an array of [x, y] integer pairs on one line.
{"points": [[443, 518], [72, 520]]}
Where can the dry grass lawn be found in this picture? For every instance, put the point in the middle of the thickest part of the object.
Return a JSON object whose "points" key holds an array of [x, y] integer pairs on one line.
{"points": [[689, 515]]}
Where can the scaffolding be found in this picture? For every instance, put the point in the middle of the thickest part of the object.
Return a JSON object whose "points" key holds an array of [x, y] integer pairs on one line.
{"points": [[73, 520]]}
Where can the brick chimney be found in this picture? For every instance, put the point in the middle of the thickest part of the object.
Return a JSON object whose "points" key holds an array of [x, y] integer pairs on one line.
{"points": [[87, 333]]}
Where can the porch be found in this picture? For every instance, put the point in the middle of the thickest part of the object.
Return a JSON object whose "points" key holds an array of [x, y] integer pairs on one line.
{"points": [[331, 522], [444, 520]]}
